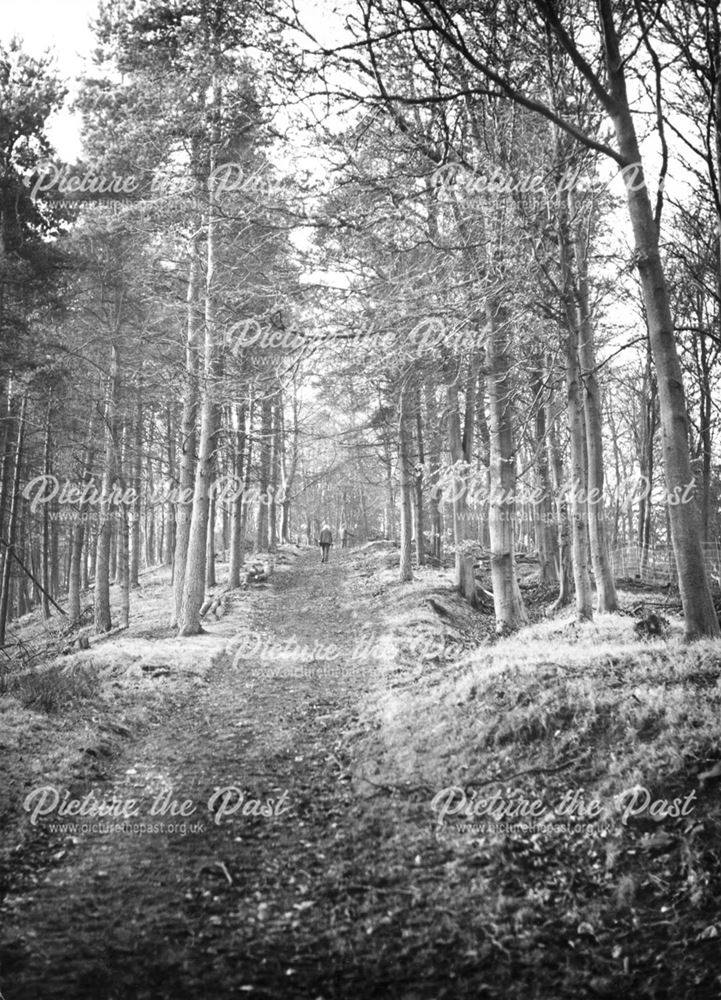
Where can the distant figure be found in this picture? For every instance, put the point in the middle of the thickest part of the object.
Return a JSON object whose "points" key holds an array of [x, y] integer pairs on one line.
{"points": [[345, 537], [326, 540]]}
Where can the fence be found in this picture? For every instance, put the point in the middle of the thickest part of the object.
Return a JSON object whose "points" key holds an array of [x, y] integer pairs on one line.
{"points": [[658, 565]]}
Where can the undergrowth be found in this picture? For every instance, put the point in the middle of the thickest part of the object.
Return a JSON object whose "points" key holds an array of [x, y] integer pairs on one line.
{"points": [[624, 902]]}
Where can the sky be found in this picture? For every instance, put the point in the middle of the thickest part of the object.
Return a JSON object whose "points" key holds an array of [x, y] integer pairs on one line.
{"points": [[62, 26]]}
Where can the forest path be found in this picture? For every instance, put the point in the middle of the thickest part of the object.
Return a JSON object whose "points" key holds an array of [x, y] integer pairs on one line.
{"points": [[319, 901]]}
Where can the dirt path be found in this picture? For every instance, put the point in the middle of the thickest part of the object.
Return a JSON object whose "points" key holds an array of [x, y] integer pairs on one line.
{"points": [[321, 900]]}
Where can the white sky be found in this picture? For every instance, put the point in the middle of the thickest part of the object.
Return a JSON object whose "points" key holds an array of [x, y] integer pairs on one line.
{"points": [[62, 26]]}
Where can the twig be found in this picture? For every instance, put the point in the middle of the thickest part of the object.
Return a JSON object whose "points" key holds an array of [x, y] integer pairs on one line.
{"points": [[396, 788], [225, 871], [519, 774]]}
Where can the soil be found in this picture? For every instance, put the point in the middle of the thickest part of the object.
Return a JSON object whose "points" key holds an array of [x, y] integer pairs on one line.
{"points": [[323, 899], [303, 736]]}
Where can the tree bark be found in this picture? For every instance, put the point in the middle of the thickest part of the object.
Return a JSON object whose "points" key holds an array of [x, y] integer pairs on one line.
{"points": [[546, 530], [248, 471], [124, 560], [13, 509], [236, 541], [419, 526], [699, 613], [507, 600], [188, 443], [406, 482], [169, 540], [434, 466], [46, 518], [77, 562], [103, 621], [565, 567], [460, 444], [576, 428], [606, 600], [276, 445], [194, 584], [266, 426], [210, 539], [135, 472]]}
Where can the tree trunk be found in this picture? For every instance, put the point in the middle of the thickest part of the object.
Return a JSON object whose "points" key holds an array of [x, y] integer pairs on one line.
{"points": [[75, 582], [13, 508], [565, 567], [194, 584], [699, 613], [188, 443], [150, 534], [46, 519], [236, 541], [289, 468], [266, 425], [546, 530], [434, 467], [210, 539], [507, 601], [606, 600], [406, 483], [124, 562], [247, 474], [460, 443], [576, 428], [135, 473], [103, 621], [418, 477], [169, 540], [276, 446], [390, 504], [646, 441]]}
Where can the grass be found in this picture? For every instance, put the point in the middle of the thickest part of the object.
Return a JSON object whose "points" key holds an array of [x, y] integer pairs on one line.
{"points": [[586, 710], [52, 689]]}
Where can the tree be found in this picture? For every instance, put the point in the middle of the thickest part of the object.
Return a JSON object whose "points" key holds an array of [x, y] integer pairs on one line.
{"points": [[483, 45]]}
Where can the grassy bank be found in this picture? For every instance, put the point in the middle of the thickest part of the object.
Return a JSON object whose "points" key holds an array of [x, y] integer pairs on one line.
{"points": [[567, 776]]}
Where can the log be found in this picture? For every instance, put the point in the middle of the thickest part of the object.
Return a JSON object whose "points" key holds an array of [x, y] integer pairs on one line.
{"points": [[468, 580]]}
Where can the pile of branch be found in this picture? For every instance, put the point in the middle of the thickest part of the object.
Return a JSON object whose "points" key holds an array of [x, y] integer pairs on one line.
{"points": [[214, 606], [81, 639], [257, 572], [651, 627]]}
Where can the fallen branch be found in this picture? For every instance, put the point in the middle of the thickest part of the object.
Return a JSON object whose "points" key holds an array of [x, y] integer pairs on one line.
{"points": [[396, 788], [520, 774]]}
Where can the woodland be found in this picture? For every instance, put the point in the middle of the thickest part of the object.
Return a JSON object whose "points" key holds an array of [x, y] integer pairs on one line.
{"points": [[446, 276], [413, 276]]}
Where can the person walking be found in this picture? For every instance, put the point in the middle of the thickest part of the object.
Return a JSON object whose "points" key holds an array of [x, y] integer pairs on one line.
{"points": [[326, 540]]}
